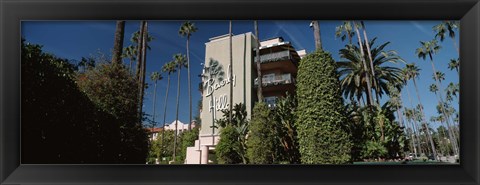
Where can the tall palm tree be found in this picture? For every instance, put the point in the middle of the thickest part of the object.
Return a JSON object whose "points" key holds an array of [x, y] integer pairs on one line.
{"points": [[316, 34], [118, 43], [257, 56], [371, 61], [141, 67], [155, 76], [430, 48], [180, 61], [367, 75], [353, 74], [452, 89], [345, 31], [440, 76], [411, 72], [454, 64], [433, 88], [409, 115], [186, 30], [444, 27], [130, 52], [168, 68]]}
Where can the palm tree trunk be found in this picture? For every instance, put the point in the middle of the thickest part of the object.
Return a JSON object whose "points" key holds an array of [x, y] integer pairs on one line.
{"points": [[316, 35], [165, 112], [259, 72], [139, 50], [371, 63], [118, 44], [455, 45], [413, 140], [367, 76], [154, 104], [139, 70], [230, 72], [415, 127], [189, 85], [144, 54], [176, 116], [447, 120]]}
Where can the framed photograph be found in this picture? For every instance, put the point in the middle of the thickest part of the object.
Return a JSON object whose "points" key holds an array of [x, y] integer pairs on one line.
{"points": [[222, 92]]}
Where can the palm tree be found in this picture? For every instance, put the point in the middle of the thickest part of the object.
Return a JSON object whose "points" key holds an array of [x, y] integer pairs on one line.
{"points": [[168, 68], [452, 89], [371, 61], [118, 43], [454, 64], [180, 61], [257, 56], [130, 52], [444, 27], [155, 76], [141, 66], [353, 74], [367, 75], [409, 115], [186, 30], [316, 34], [411, 72], [433, 88], [345, 31], [430, 48], [440, 76]]}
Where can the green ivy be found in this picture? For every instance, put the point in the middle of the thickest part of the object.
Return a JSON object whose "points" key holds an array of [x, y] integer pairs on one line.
{"points": [[322, 133]]}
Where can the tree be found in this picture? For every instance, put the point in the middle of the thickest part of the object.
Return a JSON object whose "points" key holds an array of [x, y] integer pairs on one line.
{"points": [[284, 116], [186, 30], [262, 145], [322, 134], [258, 62], [354, 77], [60, 124], [444, 27], [345, 31], [180, 62], [188, 139], [428, 49], [109, 86], [130, 52], [316, 34], [364, 63], [141, 66], [454, 64], [155, 76], [168, 68], [118, 44], [233, 136], [228, 147]]}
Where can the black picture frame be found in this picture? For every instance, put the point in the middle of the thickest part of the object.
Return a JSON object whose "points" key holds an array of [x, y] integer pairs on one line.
{"points": [[12, 12]]}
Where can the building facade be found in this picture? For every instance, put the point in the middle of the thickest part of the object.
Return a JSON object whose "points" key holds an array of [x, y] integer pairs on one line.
{"points": [[279, 62]]}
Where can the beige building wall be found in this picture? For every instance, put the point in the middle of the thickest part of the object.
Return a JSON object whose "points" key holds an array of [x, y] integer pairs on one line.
{"points": [[216, 96]]}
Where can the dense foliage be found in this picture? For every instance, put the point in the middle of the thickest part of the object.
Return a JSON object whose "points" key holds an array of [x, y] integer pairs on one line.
{"points": [[321, 124], [62, 124], [232, 147], [263, 139]]}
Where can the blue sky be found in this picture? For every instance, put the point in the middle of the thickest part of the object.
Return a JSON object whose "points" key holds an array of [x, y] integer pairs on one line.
{"points": [[76, 39]]}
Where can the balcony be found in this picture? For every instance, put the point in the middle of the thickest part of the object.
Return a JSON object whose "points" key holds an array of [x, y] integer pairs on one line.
{"points": [[273, 80], [274, 57]]}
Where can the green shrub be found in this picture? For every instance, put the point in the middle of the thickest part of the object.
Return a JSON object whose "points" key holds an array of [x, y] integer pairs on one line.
{"points": [[322, 123], [262, 143]]}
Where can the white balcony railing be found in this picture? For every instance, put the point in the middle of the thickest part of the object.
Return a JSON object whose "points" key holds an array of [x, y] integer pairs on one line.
{"points": [[276, 80], [272, 57]]}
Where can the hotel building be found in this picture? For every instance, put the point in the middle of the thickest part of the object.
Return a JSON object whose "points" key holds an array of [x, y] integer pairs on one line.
{"points": [[279, 62]]}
